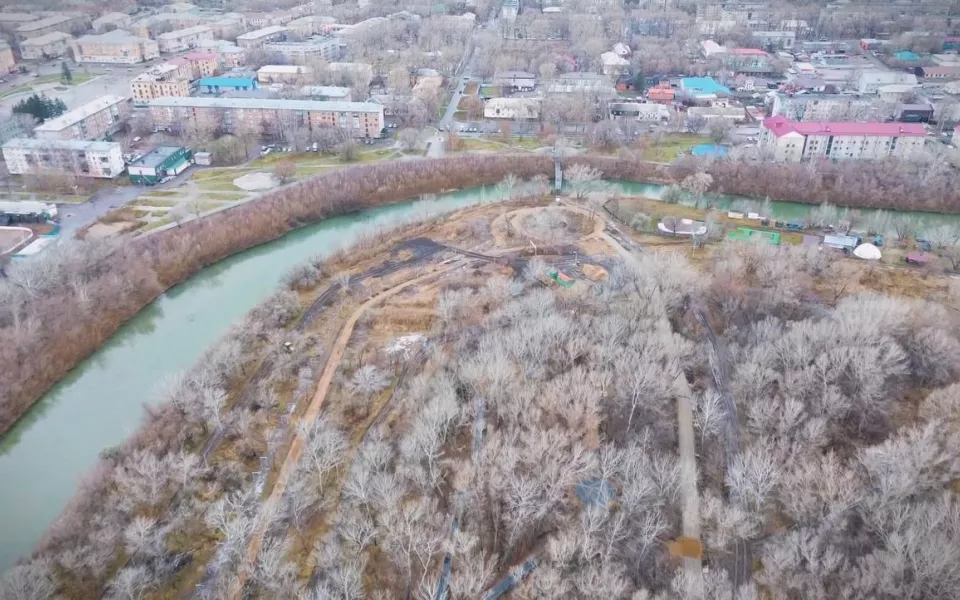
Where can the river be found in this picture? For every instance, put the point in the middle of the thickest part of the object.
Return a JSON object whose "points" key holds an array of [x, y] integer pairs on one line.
{"points": [[101, 401]]}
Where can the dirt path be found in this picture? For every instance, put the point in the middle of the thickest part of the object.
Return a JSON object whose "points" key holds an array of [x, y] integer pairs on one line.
{"points": [[313, 410]]}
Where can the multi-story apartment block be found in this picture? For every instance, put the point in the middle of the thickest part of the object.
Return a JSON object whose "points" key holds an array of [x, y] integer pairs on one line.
{"points": [[184, 39], [792, 141], [325, 48], [92, 121], [61, 23], [256, 39], [156, 25], [112, 21], [202, 64], [7, 61], [77, 157], [311, 25], [169, 79], [262, 20], [714, 17], [45, 47], [9, 21], [356, 119], [227, 26], [823, 107], [229, 55], [117, 46], [284, 74]]}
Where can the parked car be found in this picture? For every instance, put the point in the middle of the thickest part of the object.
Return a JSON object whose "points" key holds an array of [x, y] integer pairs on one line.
{"points": [[315, 147]]}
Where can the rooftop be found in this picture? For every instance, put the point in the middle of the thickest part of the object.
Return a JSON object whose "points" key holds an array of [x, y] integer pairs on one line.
{"points": [[116, 36], [224, 81], [781, 126], [259, 33], [179, 33], [84, 145], [78, 114], [324, 90], [703, 85], [41, 23], [747, 52], [257, 103], [156, 156], [48, 38], [200, 56], [291, 69]]}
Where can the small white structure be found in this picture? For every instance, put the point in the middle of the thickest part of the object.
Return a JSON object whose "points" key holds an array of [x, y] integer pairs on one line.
{"points": [[512, 108], [867, 252], [683, 227]]}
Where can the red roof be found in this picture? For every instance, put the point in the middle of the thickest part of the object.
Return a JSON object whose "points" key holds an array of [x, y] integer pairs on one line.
{"points": [[781, 126], [747, 51]]}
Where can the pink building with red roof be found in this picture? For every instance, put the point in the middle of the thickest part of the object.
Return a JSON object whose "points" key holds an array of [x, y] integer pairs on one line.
{"points": [[793, 141]]}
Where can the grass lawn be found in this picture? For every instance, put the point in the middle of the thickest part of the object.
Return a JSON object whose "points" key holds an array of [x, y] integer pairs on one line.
{"points": [[479, 145], [489, 90], [526, 143], [672, 146], [460, 115], [471, 88], [149, 200], [162, 194], [217, 186], [226, 196], [158, 223]]}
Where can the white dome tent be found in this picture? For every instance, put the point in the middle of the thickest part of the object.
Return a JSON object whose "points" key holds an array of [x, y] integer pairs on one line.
{"points": [[867, 252]]}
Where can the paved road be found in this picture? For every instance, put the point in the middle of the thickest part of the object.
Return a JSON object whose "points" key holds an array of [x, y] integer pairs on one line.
{"points": [[75, 216]]}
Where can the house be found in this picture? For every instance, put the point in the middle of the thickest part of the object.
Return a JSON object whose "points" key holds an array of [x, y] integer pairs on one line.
{"points": [[202, 64], [710, 48], [162, 161], [184, 39], [512, 108], [95, 120], [847, 243], [115, 47], [613, 65], [256, 39], [284, 74], [793, 141], [216, 85], [45, 47], [80, 158], [622, 50], [582, 82], [661, 94], [356, 119], [868, 44], [896, 93], [515, 80], [951, 43]]}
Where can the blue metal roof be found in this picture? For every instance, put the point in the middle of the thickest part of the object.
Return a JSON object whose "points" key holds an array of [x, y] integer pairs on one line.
{"points": [[703, 85], [225, 82], [906, 55]]}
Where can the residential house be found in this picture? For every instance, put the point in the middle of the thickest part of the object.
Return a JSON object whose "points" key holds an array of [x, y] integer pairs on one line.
{"points": [[45, 47], [92, 121], [184, 39], [356, 119], [710, 48], [613, 65], [111, 21], [622, 50], [515, 80], [896, 93], [81, 158], [582, 82], [9, 21], [256, 39], [57, 23], [284, 74], [117, 47], [793, 141], [512, 108], [661, 94]]}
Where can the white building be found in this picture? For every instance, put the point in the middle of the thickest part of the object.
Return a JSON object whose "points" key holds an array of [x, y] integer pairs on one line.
{"points": [[734, 114], [512, 108], [184, 39], [869, 82], [709, 47], [284, 74], [256, 39], [647, 112], [613, 64], [77, 157], [325, 48], [791, 141], [823, 107], [777, 39]]}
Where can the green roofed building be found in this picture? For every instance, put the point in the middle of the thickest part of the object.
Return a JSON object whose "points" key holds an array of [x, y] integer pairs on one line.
{"points": [[162, 161]]}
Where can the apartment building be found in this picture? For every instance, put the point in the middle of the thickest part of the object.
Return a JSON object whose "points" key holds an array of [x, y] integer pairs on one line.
{"points": [[115, 47], [156, 25], [262, 20], [78, 157], [9, 21], [202, 64], [325, 48], [284, 74], [792, 141], [112, 21], [311, 25], [92, 121], [169, 79], [357, 119], [823, 107], [45, 47], [184, 39], [256, 39], [56, 23], [7, 61]]}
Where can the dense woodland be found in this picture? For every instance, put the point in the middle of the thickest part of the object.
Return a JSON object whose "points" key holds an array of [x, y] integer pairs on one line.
{"points": [[542, 425]]}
